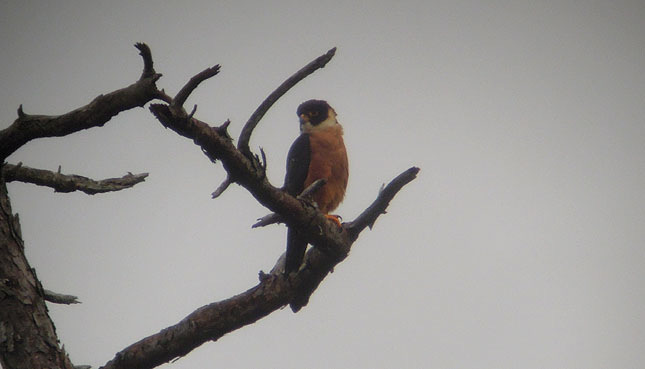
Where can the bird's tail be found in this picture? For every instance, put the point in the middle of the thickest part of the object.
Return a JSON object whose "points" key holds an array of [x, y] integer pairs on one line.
{"points": [[296, 247]]}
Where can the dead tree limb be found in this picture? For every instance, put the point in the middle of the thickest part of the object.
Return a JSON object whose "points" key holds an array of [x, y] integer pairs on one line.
{"points": [[69, 182], [274, 218], [95, 114], [59, 298], [211, 322]]}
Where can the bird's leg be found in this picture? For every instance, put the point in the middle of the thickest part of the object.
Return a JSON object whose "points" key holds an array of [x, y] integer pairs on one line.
{"points": [[334, 218]]}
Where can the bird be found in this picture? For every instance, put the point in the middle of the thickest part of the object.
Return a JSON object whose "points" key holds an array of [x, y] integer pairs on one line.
{"points": [[318, 152]]}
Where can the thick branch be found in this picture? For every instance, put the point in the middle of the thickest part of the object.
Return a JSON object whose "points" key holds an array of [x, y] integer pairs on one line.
{"points": [[212, 321], [245, 136], [27, 335], [95, 114], [207, 323], [69, 183]]}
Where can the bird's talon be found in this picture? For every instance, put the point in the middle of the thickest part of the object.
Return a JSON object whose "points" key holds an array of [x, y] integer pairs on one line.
{"points": [[334, 218]]}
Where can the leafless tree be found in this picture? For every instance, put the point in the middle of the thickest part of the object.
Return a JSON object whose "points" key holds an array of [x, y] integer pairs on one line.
{"points": [[27, 334]]}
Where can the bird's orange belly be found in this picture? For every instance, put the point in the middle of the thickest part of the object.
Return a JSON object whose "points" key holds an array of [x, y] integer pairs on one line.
{"points": [[329, 161]]}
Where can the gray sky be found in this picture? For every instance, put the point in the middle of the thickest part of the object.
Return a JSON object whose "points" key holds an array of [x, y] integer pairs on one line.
{"points": [[521, 244]]}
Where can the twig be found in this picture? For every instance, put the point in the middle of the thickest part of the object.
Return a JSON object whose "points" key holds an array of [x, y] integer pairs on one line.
{"points": [[192, 84], [222, 187], [69, 183], [58, 298], [247, 130]]}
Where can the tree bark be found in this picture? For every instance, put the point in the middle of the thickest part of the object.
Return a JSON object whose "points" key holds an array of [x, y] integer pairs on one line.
{"points": [[27, 335]]}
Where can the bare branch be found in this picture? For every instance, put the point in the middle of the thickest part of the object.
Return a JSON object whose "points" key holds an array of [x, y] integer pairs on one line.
{"points": [[247, 130], [222, 187], [58, 298], [369, 216], [69, 183], [146, 54], [95, 114], [207, 323], [192, 84], [320, 263], [211, 322]]}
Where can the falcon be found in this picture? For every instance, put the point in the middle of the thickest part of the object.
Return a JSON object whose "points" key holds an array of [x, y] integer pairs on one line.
{"points": [[319, 152]]}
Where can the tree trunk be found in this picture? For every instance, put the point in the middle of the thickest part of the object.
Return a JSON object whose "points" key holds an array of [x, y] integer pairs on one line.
{"points": [[27, 334]]}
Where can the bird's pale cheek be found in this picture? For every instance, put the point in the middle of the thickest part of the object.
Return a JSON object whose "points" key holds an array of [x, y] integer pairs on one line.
{"points": [[305, 127]]}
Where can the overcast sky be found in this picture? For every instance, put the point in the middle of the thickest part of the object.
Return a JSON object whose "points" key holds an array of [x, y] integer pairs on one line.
{"points": [[520, 245]]}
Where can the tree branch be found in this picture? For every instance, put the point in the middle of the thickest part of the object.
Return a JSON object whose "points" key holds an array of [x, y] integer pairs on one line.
{"points": [[58, 298], [95, 114], [146, 55], [211, 322], [247, 130], [192, 84], [242, 170], [27, 335], [69, 183], [320, 264], [274, 218], [387, 193]]}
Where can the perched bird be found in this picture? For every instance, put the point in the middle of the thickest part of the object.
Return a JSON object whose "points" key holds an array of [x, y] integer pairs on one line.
{"points": [[319, 152]]}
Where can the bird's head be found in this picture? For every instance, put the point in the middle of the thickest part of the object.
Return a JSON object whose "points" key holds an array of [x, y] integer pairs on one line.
{"points": [[315, 115]]}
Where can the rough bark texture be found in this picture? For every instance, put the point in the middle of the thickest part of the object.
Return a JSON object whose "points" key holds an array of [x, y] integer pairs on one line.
{"points": [[27, 335]]}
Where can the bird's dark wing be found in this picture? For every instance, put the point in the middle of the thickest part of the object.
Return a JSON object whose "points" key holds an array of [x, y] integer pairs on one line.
{"points": [[297, 165], [294, 181]]}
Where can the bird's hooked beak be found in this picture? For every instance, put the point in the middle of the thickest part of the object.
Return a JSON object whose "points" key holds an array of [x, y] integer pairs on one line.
{"points": [[304, 119]]}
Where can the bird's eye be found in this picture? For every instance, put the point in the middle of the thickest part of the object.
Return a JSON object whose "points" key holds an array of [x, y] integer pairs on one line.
{"points": [[314, 113]]}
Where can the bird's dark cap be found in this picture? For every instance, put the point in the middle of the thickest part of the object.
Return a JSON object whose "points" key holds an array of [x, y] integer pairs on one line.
{"points": [[309, 106]]}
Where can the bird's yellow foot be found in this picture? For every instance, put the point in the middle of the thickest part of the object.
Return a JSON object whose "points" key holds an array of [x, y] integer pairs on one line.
{"points": [[334, 218]]}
